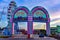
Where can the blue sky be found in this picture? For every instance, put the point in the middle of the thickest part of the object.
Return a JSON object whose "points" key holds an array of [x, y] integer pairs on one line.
{"points": [[52, 6]]}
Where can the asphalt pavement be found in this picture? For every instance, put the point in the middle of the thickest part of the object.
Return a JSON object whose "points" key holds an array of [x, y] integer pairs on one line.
{"points": [[24, 37]]}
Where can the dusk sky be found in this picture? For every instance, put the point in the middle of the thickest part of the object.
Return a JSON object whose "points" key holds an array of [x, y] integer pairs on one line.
{"points": [[52, 6]]}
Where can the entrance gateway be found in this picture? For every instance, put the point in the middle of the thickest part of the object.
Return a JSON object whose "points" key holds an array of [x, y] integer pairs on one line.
{"points": [[37, 14]]}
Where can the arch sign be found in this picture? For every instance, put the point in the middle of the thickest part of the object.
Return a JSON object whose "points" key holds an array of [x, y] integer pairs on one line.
{"points": [[41, 15], [37, 14]]}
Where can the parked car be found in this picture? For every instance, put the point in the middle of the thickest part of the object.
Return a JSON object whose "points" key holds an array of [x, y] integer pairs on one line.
{"points": [[41, 35]]}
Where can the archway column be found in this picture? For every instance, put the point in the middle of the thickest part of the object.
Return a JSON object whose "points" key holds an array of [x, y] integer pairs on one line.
{"points": [[30, 26], [12, 28], [48, 27]]}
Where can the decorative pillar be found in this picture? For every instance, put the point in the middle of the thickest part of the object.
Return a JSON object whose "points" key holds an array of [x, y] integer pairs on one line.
{"points": [[30, 26], [48, 27], [12, 28]]}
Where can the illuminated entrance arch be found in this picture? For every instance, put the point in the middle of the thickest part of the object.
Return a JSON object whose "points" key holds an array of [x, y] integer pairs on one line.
{"points": [[19, 15], [37, 14], [40, 14]]}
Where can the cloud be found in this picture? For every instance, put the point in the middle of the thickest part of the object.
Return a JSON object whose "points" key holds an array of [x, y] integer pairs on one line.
{"points": [[51, 2], [39, 25], [55, 23], [1, 9], [55, 15], [6, 1], [22, 25], [3, 24]]}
